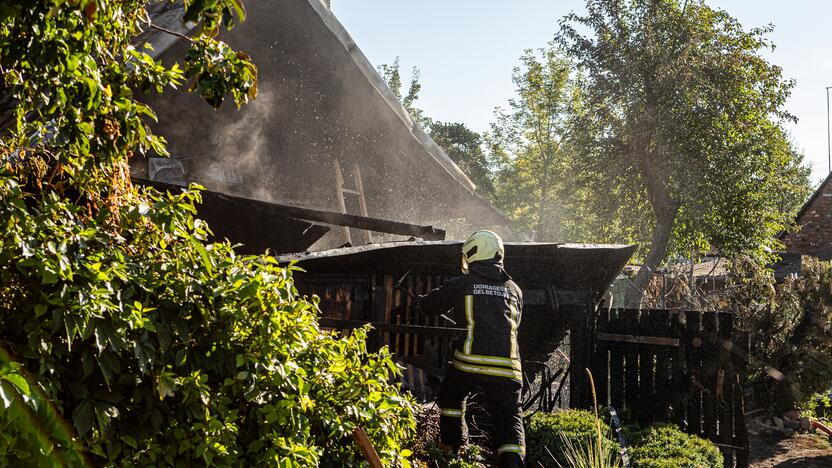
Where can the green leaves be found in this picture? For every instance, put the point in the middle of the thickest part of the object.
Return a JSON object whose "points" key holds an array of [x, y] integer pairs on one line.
{"points": [[155, 347], [216, 70], [678, 141]]}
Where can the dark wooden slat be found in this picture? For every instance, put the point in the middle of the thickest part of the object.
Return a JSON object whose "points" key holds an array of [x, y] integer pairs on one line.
{"points": [[579, 350], [328, 322], [646, 371], [693, 364], [679, 380], [710, 366], [660, 325], [631, 389], [240, 204], [725, 409], [616, 363], [639, 339], [742, 342], [600, 360]]}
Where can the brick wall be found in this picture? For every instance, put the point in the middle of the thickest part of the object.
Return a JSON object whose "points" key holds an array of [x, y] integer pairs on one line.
{"points": [[815, 221]]}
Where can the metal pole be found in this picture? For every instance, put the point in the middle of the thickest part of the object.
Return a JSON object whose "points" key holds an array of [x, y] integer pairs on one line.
{"points": [[828, 139]]}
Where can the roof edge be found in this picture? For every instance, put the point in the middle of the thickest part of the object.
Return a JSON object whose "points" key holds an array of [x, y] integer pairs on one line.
{"points": [[363, 63]]}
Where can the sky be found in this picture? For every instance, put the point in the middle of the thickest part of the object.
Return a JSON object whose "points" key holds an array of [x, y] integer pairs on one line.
{"points": [[466, 50]]}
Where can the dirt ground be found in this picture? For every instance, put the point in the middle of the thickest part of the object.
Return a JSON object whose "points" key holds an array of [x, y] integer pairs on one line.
{"points": [[800, 451]]}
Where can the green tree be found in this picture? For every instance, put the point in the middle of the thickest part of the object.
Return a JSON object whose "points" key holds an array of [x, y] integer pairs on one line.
{"points": [[392, 76], [461, 144], [465, 147], [529, 141], [125, 337], [680, 138]]}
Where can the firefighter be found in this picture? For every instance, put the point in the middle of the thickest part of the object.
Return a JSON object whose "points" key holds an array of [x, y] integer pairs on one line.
{"points": [[489, 303]]}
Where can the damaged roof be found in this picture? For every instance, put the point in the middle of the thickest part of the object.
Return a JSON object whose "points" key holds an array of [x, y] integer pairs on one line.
{"points": [[564, 266]]}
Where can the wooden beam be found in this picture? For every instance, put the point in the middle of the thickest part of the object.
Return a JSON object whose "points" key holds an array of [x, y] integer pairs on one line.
{"points": [[328, 322], [654, 340], [320, 216]]}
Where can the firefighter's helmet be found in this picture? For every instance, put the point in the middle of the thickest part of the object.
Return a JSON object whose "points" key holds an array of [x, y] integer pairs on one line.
{"points": [[481, 245]]}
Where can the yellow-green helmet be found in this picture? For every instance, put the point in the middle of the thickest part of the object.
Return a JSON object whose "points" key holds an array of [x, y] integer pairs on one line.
{"points": [[481, 245]]}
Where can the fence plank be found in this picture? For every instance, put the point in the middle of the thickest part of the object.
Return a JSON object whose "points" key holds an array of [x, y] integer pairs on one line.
{"points": [[616, 359], [710, 365], [725, 400], [743, 348], [631, 389], [679, 380], [693, 364], [660, 325], [646, 370], [600, 359]]}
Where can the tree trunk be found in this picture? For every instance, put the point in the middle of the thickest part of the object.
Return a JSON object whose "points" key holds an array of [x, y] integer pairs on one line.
{"points": [[665, 210], [541, 214]]}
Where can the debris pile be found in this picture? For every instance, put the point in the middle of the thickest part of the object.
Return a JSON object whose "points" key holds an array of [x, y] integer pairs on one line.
{"points": [[786, 426]]}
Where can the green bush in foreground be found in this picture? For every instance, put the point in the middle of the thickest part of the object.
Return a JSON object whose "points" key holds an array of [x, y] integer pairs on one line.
{"points": [[548, 430], [126, 338], [668, 447], [162, 349]]}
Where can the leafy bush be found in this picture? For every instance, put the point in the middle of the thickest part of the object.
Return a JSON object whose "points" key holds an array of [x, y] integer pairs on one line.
{"points": [[469, 456], [125, 337], [791, 329], [818, 406], [545, 433], [668, 447], [162, 349]]}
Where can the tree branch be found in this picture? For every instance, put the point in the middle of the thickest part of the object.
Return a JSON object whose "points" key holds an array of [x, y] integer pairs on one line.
{"points": [[168, 31]]}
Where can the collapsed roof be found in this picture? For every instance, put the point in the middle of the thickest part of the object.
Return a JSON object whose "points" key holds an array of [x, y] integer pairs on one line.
{"points": [[563, 266]]}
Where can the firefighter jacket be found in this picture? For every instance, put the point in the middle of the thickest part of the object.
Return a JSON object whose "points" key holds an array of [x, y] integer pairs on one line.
{"points": [[489, 304]]}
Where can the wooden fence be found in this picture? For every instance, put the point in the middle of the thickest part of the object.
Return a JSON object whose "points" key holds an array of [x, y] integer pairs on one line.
{"points": [[683, 367]]}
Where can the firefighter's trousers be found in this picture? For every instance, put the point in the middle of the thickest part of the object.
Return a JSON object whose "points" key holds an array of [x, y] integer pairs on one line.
{"points": [[503, 402]]}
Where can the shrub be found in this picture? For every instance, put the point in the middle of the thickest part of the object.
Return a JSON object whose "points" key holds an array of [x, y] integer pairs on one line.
{"points": [[163, 349], [548, 430], [791, 329], [125, 337], [819, 406], [668, 447]]}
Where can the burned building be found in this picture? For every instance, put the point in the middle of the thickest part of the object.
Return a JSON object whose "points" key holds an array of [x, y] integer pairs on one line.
{"points": [[325, 133]]}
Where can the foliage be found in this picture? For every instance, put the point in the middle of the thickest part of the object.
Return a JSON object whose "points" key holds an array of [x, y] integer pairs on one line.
{"points": [[530, 142], [125, 337], [819, 406], [469, 456], [790, 326], [597, 453], [665, 446], [679, 137], [465, 148], [548, 432], [392, 76], [461, 144]]}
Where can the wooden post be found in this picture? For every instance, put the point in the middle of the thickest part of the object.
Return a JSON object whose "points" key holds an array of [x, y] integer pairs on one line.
{"points": [[366, 448]]}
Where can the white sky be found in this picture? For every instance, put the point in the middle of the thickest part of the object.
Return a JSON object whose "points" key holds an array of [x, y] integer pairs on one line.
{"points": [[466, 49]]}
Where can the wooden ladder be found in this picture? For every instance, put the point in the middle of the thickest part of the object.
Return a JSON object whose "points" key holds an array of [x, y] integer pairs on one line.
{"points": [[357, 192]]}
